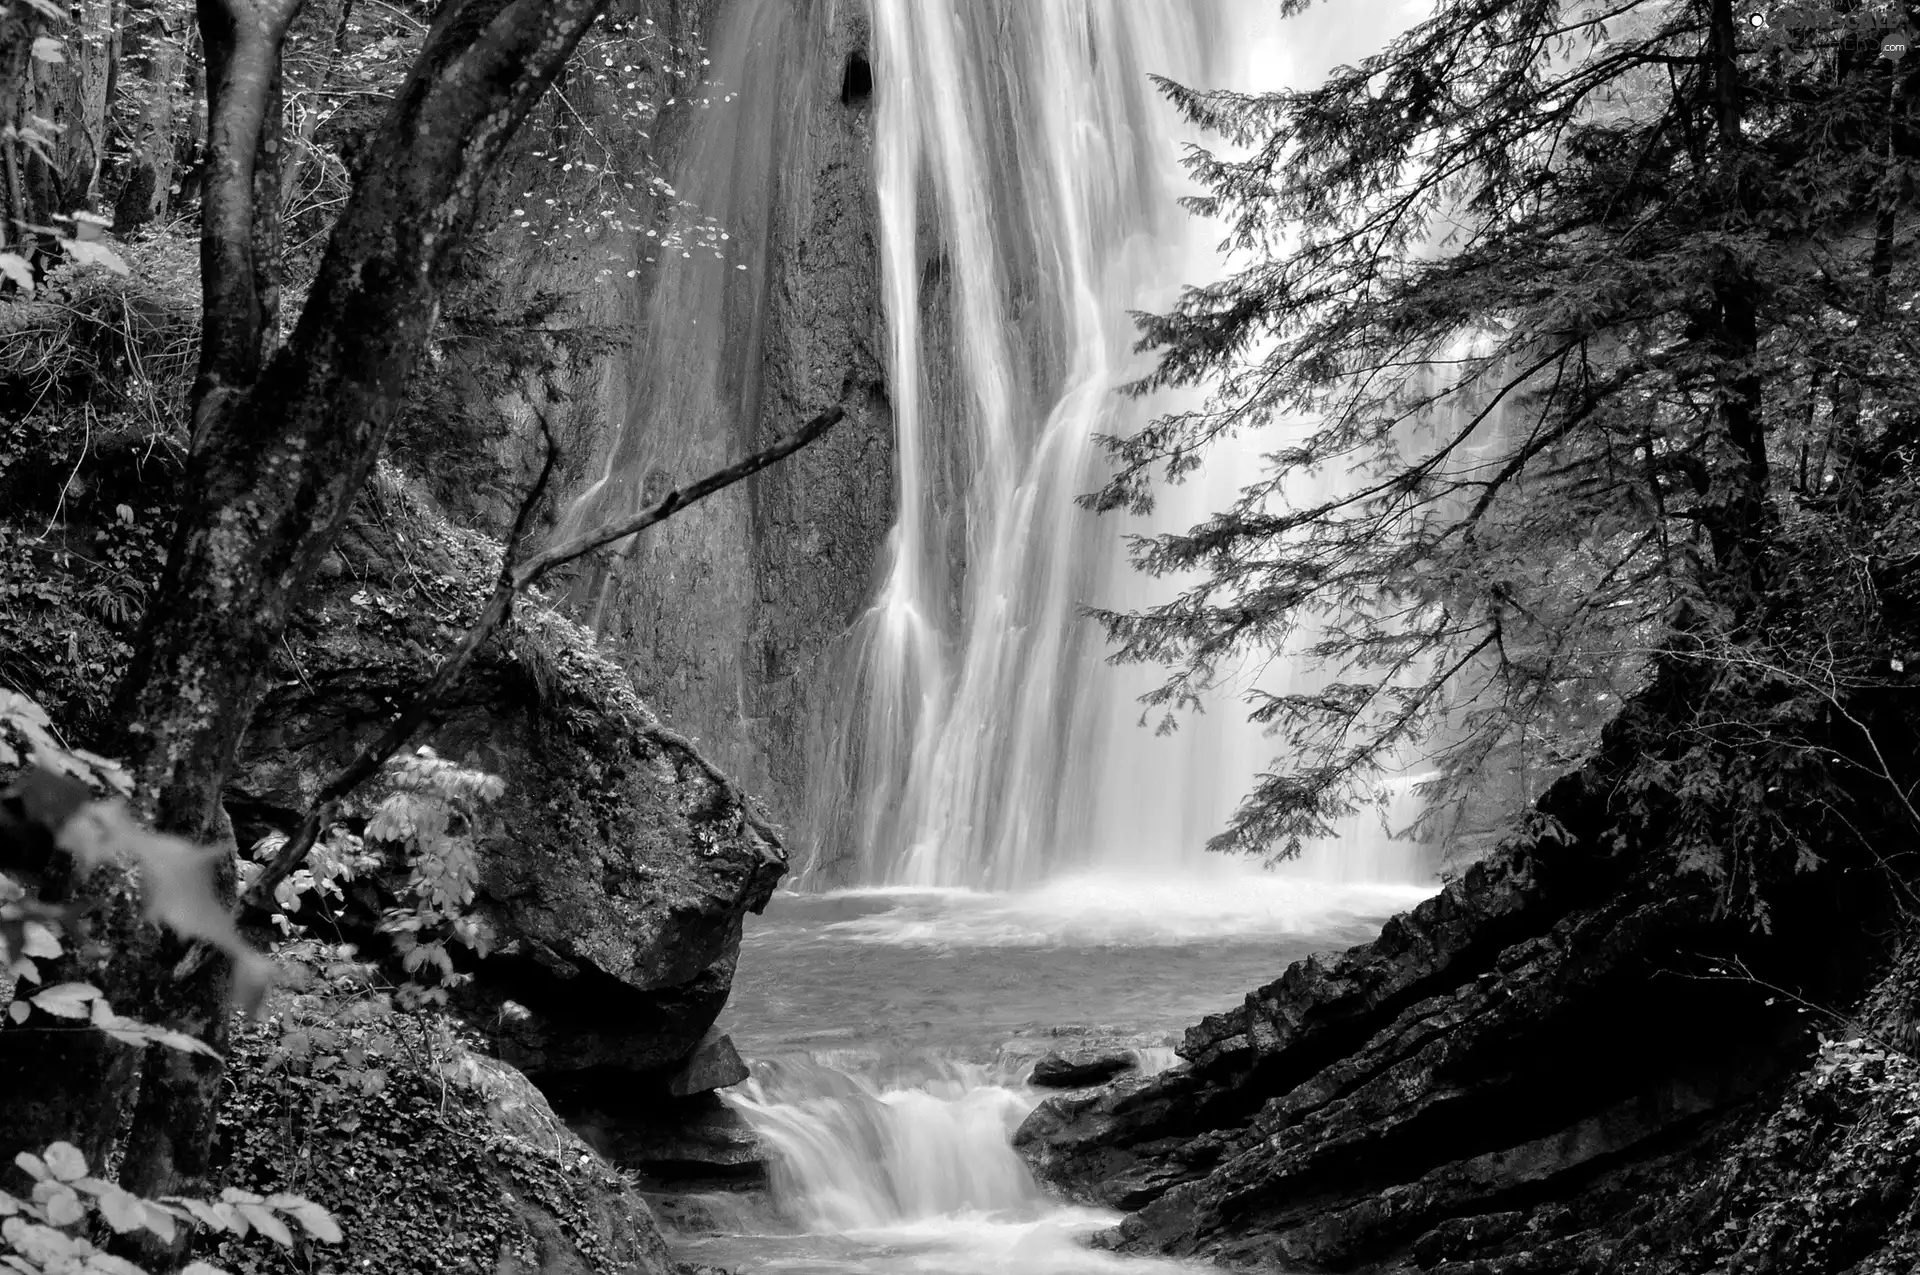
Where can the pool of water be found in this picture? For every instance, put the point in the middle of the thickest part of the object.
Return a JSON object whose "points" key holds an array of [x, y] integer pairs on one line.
{"points": [[891, 1032]]}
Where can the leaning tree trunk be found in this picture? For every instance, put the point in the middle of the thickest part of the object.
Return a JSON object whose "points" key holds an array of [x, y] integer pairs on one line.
{"points": [[279, 455]]}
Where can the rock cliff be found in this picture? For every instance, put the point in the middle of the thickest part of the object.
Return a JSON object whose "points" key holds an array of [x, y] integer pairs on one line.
{"points": [[735, 295]]}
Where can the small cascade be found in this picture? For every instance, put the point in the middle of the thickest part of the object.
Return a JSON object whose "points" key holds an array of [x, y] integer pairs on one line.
{"points": [[886, 1170], [854, 1153]]}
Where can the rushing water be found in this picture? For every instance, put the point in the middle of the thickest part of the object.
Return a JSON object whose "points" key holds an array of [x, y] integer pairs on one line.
{"points": [[1030, 857], [1028, 181], [1026, 196], [892, 1029]]}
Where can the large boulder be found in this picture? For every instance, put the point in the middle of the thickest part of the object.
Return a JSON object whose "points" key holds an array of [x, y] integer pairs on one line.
{"points": [[616, 868]]}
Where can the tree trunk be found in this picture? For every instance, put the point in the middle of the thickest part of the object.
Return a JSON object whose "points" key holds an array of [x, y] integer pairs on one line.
{"points": [[72, 95], [279, 455], [52, 118], [153, 57], [20, 25]]}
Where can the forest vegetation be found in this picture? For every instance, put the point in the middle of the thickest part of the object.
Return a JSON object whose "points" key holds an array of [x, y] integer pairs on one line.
{"points": [[195, 407], [1608, 314]]}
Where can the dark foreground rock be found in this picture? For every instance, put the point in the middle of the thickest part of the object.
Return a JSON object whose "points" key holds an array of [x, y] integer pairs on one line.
{"points": [[1512, 1077], [714, 1064], [1078, 1070]]}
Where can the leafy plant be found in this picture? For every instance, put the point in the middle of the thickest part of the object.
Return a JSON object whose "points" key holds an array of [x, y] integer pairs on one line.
{"points": [[427, 821], [41, 1234], [174, 878]]}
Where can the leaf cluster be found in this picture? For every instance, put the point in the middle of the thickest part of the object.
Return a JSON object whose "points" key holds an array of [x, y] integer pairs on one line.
{"points": [[38, 1231]]}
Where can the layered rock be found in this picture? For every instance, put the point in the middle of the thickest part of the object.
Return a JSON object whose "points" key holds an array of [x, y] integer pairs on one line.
{"points": [[1516, 1066]]}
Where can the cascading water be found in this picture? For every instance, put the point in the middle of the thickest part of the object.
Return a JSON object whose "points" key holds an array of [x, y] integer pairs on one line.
{"points": [[1026, 860], [1028, 175], [1025, 206]]}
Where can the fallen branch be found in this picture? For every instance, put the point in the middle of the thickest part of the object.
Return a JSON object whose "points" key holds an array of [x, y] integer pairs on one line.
{"points": [[513, 580]]}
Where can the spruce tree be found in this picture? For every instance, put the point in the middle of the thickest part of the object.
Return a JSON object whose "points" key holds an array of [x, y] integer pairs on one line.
{"points": [[1605, 313]]}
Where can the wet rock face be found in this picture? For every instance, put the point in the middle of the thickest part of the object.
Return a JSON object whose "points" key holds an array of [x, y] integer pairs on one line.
{"points": [[1518, 1067], [616, 868], [729, 617], [680, 1143]]}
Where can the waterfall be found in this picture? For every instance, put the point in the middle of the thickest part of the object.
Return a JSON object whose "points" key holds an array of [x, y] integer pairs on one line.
{"points": [[1026, 189], [1028, 182], [852, 1154]]}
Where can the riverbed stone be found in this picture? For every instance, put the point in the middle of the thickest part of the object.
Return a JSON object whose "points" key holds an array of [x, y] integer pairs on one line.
{"points": [[1078, 1070], [714, 1064]]}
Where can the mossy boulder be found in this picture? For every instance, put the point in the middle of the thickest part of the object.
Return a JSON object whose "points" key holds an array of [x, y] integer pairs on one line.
{"points": [[616, 869]]}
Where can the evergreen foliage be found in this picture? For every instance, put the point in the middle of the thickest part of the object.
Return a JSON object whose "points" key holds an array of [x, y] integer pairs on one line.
{"points": [[1587, 332]]}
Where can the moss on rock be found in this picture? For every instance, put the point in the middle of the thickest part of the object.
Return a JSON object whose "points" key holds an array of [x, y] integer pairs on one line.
{"points": [[451, 1162]]}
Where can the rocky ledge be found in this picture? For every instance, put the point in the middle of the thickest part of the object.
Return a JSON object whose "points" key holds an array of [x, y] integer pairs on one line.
{"points": [[1513, 1077]]}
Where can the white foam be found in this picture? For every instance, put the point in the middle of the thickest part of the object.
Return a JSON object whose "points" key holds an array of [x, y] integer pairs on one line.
{"points": [[1115, 908]]}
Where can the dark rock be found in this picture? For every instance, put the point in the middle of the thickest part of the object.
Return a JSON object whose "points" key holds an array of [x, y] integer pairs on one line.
{"points": [[676, 1140], [715, 1064], [1078, 1070], [1459, 1235], [1510, 1078]]}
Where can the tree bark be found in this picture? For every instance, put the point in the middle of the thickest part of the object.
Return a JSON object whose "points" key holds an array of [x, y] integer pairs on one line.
{"points": [[283, 444], [239, 235]]}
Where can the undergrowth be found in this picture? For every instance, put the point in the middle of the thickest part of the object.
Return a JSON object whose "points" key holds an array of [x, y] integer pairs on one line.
{"points": [[382, 1116]]}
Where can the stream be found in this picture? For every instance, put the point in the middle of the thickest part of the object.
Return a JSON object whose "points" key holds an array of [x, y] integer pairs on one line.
{"points": [[891, 1030], [1027, 861]]}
